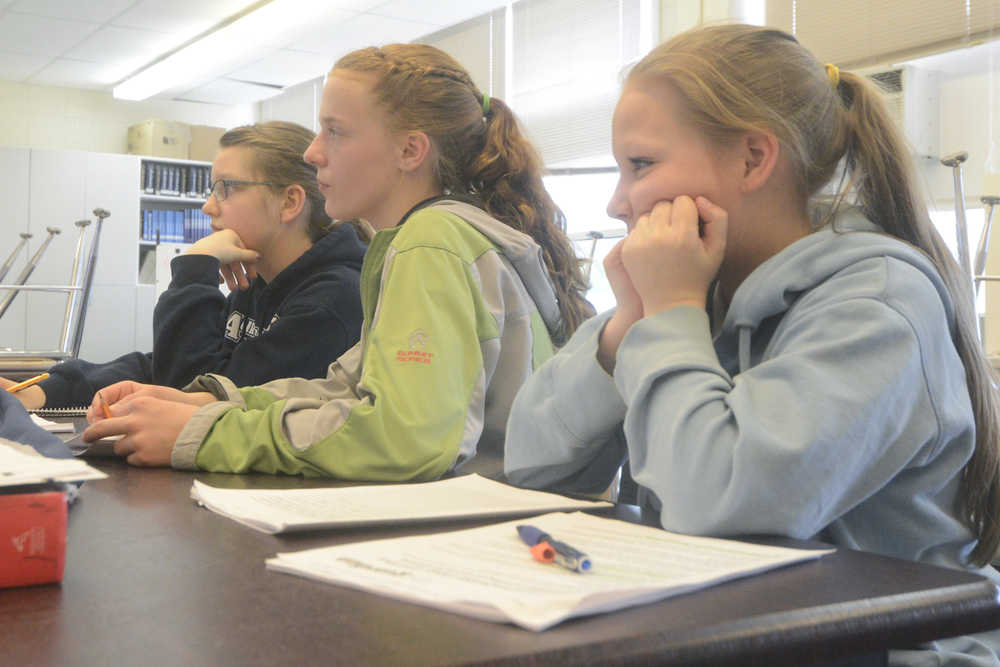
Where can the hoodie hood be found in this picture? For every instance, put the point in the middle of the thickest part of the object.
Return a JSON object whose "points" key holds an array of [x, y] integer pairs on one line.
{"points": [[523, 253], [776, 284], [340, 246]]}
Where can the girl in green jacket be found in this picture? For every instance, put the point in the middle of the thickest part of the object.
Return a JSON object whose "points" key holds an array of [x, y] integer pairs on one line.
{"points": [[468, 282]]}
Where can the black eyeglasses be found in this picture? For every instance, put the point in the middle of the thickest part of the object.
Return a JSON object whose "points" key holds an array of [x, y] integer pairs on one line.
{"points": [[222, 187]]}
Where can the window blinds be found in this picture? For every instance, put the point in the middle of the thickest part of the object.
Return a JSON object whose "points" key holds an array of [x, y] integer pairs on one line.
{"points": [[567, 57], [858, 33], [478, 45]]}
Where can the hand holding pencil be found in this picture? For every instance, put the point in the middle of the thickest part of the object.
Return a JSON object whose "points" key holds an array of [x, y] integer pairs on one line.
{"points": [[147, 417], [31, 396]]}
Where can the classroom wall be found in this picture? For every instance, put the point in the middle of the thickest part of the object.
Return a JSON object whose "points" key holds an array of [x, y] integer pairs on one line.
{"points": [[965, 126], [295, 104], [68, 118]]}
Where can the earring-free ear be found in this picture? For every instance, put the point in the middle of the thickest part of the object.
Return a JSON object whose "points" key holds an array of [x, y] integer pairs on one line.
{"points": [[761, 151], [415, 150]]}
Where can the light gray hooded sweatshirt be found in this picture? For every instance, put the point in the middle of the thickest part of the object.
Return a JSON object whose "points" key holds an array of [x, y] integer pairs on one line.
{"points": [[830, 404]]}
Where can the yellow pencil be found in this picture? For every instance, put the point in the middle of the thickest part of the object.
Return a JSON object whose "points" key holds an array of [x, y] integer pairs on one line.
{"points": [[104, 406], [14, 388]]}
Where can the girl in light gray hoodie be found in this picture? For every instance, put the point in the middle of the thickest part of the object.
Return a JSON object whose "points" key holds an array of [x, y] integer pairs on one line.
{"points": [[835, 388]]}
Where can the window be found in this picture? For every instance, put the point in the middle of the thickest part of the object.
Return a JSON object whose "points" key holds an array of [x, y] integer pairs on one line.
{"points": [[583, 197], [975, 218], [566, 58]]}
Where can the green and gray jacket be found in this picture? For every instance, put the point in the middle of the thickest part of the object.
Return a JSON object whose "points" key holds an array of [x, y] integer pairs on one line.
{"points": [[458, 310]]}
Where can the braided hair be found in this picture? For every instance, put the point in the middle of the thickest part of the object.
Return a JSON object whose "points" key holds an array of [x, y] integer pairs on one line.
{"points": [[478, 152]]}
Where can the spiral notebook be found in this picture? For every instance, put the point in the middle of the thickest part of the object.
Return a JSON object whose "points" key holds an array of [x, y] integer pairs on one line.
{"points": [[77, 411], [40, 417]]}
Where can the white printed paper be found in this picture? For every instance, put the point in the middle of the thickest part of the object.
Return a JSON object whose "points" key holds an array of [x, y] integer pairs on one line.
{"points": [[467, 496], [488, 573], [21, 464]]}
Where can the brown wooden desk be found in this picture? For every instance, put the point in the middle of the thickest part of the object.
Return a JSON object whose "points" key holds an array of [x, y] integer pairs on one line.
{"points": [[151, 579]]}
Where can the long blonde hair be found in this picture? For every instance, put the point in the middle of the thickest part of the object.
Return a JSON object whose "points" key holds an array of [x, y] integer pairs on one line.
{"points": [[738, 78], [479, 152]]}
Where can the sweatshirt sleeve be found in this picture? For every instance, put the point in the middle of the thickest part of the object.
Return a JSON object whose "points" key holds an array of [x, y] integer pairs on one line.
{"points": [[311, 329], [74, 382], [563, 425], [835, 409], [188, 322], [402, 419]]}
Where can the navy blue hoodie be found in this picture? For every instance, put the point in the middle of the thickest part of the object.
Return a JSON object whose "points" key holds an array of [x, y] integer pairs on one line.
{"points": [[294, 326]]}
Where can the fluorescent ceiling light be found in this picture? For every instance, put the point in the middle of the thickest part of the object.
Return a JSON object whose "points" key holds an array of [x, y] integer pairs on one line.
{"points": [[219, 48]]}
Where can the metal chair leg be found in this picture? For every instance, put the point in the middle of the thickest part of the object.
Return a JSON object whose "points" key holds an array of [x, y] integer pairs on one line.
{"points": [[26, 273], [10, 260]]}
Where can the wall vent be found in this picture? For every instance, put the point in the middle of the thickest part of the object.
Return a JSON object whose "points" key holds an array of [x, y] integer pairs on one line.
{"points": [[913, 98]]}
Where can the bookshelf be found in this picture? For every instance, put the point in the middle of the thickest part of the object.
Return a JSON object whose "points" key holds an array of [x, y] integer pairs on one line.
{"points": [[171, 194]]}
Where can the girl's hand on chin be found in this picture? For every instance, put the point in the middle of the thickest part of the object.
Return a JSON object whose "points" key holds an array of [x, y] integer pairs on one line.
{"points": [[673, 253], [627, 312], [237, 263]]}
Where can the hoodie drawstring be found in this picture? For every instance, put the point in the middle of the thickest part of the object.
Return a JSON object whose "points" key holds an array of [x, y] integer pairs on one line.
{"points": [[744, 350]]}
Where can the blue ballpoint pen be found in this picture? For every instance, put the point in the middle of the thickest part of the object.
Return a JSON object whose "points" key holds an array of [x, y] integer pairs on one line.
{"points": [[565, 555]]}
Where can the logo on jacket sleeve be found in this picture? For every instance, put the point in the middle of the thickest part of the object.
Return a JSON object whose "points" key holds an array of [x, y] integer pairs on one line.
{"points": [[239, 326], [416, 343], [234, 326]]}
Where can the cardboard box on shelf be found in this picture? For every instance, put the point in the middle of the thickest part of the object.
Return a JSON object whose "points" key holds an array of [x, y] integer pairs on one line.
{"points": [[160, 138], [205, 142]]}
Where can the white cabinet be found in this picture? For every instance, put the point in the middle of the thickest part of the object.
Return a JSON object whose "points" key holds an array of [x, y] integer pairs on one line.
{"points": [[49, 188], [14, 195]]}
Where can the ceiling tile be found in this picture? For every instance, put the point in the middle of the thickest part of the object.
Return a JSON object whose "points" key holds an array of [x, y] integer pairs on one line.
{"points": [[440, 12], [321, 22], [363, 30], [284, 68], [189, 17], [355, 5], [111, 44], [72, 74], [17, 66], [37, 35], [227, 91], [95, 11]]}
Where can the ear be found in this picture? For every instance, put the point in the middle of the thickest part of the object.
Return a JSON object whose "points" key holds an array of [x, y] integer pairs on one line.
{"points": [[416, 146], [292, 202], [759, 152]]}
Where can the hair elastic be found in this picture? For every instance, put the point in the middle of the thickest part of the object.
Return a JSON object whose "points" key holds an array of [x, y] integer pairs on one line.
{"points": [[486, 104], [833, 73]]}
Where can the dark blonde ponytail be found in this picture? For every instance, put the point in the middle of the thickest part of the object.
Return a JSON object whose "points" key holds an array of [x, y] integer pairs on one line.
{"points": [[882, 176]]}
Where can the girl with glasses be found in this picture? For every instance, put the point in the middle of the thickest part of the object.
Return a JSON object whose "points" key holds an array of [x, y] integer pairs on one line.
{"points": [[294, 304]]}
